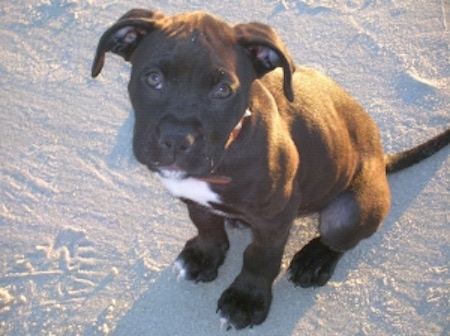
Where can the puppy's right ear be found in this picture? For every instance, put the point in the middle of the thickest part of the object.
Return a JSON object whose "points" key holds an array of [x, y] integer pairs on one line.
{"points": [[124, 36]]}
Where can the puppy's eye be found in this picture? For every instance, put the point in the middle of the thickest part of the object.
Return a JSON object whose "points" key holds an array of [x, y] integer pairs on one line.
{"points": [[222, 91], [155, 80]]}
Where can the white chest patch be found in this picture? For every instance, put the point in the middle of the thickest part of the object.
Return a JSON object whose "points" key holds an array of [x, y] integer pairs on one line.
{"points": [[192, 189]]}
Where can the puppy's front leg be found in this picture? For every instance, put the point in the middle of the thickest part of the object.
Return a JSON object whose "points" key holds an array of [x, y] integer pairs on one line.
{"points": [[202, 255], [247, 301]]}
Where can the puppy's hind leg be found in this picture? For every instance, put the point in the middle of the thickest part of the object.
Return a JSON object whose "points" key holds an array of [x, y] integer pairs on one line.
{"points": [[351, 217]]}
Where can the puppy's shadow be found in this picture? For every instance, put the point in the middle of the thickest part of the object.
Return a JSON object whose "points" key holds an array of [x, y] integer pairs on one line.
{"points": [[405, 187], [171, 307]]}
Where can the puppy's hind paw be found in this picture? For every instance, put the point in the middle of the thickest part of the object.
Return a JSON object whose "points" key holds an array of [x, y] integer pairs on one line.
{"points": [[313, 265]]}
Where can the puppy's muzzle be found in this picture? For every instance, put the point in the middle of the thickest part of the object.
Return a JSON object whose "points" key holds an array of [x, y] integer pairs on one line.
{"points": [[173, 142]]}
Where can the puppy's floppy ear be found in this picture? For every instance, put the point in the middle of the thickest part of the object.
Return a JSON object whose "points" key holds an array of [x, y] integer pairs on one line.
{"points": [[267, 52], [124, 36]]}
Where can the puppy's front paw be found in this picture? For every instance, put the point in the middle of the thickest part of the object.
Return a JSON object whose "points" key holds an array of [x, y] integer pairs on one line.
{"points": [[241, 308], [199, 262], [313, 265]]}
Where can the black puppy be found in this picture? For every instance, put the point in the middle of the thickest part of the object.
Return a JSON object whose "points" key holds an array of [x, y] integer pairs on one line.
{"points": [[232, 138]]}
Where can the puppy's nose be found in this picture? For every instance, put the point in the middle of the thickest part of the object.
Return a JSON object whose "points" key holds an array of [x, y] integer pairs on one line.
{"points": [[177, 143], [179, 137]]}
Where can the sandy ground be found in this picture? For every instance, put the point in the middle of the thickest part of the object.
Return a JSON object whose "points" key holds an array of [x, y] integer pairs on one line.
{"points": [[88, 237]]}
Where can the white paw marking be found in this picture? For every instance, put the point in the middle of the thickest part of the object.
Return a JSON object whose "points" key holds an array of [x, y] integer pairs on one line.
{"points": [[225, 324], [178, 268]]}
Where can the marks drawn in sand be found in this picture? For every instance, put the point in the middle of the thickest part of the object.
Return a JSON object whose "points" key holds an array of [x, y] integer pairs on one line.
{"points": [[52, 281]]}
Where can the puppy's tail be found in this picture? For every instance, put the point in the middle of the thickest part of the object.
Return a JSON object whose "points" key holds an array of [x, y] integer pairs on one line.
{"points": [[398, 161]]}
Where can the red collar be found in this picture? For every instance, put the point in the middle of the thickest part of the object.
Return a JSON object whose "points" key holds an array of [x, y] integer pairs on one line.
{"points": [[233, 135], [215, 179], [237, 129]]}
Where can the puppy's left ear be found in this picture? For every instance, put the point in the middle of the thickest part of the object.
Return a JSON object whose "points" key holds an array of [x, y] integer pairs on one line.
{"points": [[267, 52]]}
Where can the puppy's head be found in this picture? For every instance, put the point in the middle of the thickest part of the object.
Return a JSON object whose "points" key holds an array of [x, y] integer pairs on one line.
{"points": [[190, 84]]}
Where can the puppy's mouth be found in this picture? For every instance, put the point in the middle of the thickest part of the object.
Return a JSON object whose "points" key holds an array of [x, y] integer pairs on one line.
{"points": [[173, 172]]}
